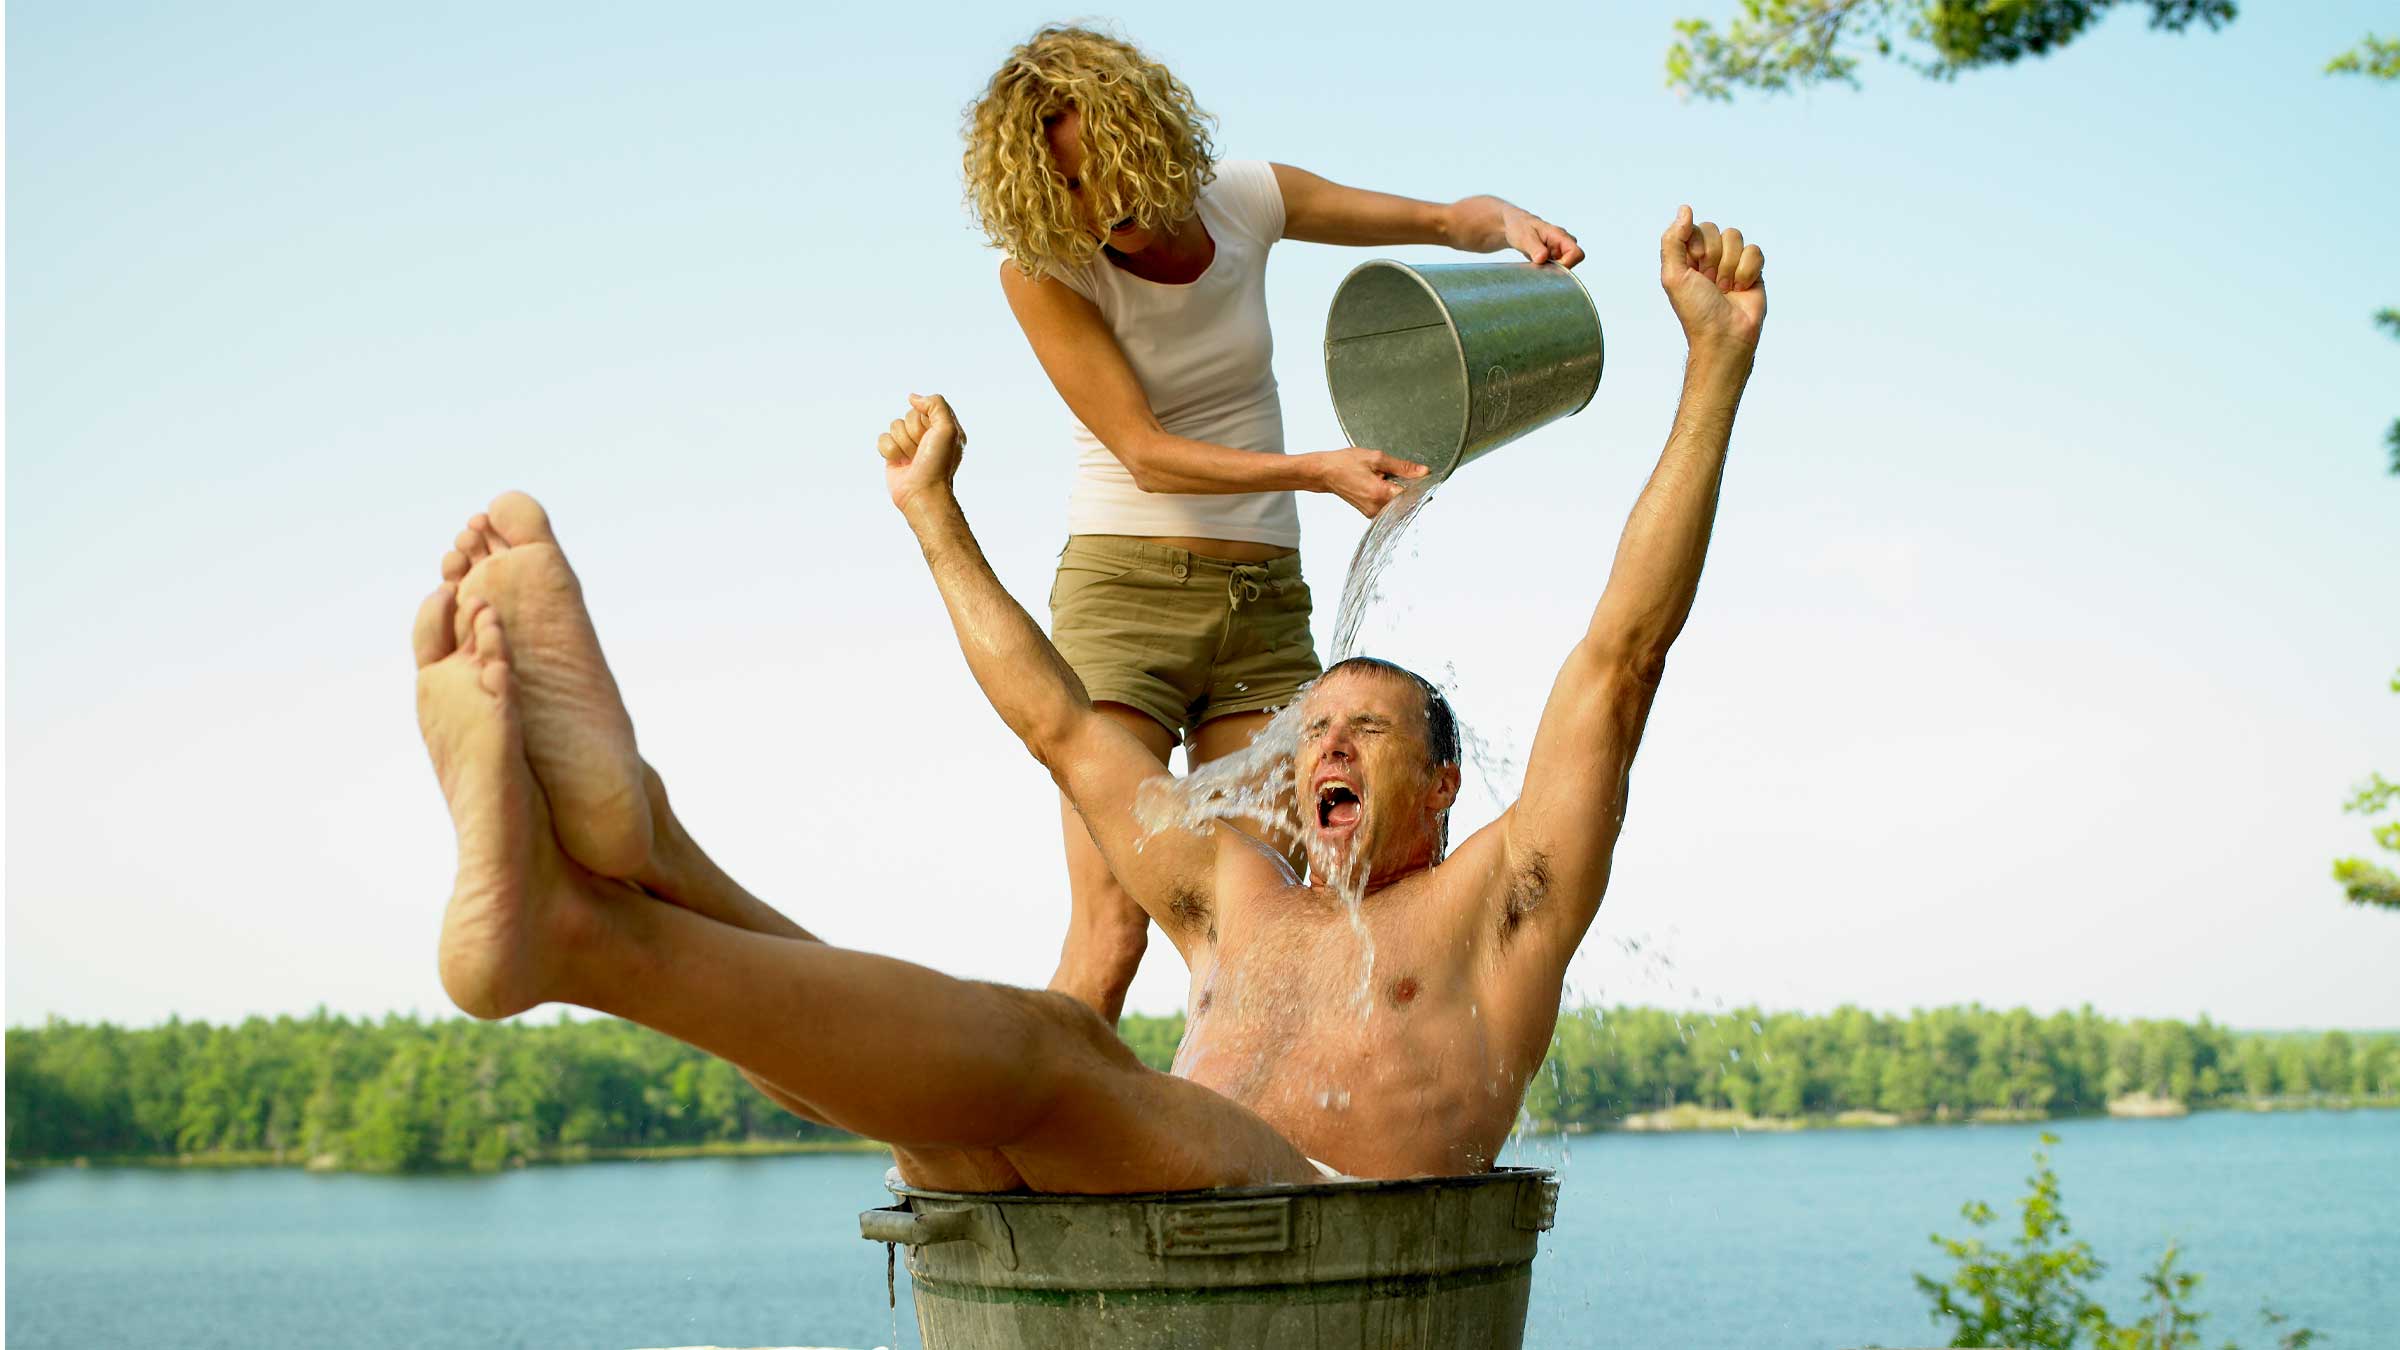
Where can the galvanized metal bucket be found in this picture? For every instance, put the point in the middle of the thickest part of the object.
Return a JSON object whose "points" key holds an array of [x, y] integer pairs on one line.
{"points": [[1441, 363], [1435, 1262]]}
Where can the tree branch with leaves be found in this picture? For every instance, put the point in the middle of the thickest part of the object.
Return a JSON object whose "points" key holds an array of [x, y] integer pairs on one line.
{"points": [[2374, 57], [2363, 882], [2389, 321], [1775, 46]]}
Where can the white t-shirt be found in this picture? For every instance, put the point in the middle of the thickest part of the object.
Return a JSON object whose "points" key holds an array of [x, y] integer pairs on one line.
{"points": [[1205, 361]]}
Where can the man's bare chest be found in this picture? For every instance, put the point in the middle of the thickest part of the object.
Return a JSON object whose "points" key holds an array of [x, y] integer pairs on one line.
{"points": [[1295, 953], [1297, 978]]}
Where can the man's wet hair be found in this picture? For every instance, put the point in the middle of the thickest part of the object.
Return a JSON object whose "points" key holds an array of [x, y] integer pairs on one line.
{"points": [[1441, 724]]}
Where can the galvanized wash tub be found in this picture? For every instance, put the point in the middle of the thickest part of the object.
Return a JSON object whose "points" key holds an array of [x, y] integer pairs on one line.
{"points": [[1434, 1262], [1440, 363]]}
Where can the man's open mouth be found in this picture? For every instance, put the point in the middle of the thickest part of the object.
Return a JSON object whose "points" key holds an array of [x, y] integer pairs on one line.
{"points": [[1121, 226], [1338, 807]]}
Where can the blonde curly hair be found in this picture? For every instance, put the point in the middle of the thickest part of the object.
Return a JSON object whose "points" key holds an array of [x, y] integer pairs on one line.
{"points": [[1145, 144]]}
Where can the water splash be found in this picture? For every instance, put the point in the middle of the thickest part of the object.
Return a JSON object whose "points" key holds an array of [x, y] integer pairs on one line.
{"points": [[1253, 788], [1373, 554], [1256, 790], [1496, 765]]}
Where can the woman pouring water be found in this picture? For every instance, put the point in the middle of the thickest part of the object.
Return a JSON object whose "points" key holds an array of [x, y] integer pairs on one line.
{"points": [[1136, 266]]}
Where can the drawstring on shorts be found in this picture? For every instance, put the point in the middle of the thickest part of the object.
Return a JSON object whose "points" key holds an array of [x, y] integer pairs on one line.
{"points": [[1247, 584]]}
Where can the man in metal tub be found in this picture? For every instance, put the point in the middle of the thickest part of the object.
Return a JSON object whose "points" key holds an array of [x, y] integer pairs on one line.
{"points": [[577, 884]]}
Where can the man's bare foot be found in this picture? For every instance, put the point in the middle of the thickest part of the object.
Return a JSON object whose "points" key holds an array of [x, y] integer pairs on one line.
{"points": [[578, 736], [516, 900]]}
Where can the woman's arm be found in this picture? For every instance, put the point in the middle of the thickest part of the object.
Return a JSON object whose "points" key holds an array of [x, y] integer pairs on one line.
{"points": [[1072, 341], [1322, 212]]}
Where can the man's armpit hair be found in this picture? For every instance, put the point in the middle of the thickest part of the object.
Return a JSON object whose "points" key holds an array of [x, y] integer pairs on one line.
{"points": [[1191, 909], [1528, 889]]}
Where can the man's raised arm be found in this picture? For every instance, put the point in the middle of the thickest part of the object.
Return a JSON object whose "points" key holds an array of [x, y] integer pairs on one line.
{"points": [[1098, 764], [1562, 831]]}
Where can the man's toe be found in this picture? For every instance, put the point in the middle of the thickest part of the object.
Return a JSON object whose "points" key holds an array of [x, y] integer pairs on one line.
{"points": [[519, 519], [434, 637]]}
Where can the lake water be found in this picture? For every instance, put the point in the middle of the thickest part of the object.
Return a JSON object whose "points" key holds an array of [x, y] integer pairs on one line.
{"points": [[1754, 1240]]}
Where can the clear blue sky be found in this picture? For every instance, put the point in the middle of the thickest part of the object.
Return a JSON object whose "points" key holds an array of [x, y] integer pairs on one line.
{"points": [[2047, 625]]}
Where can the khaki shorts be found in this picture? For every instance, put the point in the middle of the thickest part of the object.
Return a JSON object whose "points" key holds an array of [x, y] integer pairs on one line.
{"points": [[1184, 637]]}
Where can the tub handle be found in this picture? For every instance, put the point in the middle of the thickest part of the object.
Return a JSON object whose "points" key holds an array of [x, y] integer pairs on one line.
{"points": [[911, 1229], [1537, 1205], [926, 1228]]}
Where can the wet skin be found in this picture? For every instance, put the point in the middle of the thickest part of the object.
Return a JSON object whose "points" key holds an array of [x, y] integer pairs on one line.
{"points": [[1416, 1077], [1412, 1062]]}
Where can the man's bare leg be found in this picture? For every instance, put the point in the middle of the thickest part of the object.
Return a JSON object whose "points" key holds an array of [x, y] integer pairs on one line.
{"points": [[676, 868], [882, 1047], [680, 872], [576, 726], [514, 543], [580, 741], [578, 735]]}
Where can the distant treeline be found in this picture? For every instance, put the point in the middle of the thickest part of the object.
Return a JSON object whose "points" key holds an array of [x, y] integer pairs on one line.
{"points": [[1939, 1063], [402, 1094], [389, 1096]]}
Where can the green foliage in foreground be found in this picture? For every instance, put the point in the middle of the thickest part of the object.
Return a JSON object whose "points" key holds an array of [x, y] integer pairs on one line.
{"points": [[1778, 45], [2388, 319], [402, 1094], [2363, 882], [2035, 1293]]}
